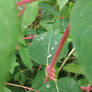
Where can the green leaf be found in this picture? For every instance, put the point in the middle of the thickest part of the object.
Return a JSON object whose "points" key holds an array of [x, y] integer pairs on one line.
{"points": [[30, 14], [8, 37], [81, 26], [44, 46], [49, 9], [25, 56], [13, 64], [64, 85], [39, 79], [61, 3], [74, 68], [83, 82], [7, 90]]}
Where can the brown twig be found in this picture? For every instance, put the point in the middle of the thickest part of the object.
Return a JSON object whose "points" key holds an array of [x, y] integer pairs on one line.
{"points": [[24, 87]]}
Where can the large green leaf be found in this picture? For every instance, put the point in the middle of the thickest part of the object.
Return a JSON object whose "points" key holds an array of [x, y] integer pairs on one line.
{"points": [[64, 85], [44, 46], [81, 33], [8, 36]]}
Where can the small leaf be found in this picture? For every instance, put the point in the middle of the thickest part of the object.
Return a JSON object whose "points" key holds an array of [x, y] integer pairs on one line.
{"points": [[25, 56], [30, 14], [7, 90], [39, 79], [62, 3], [74, 68], [49, 9], [13, 64]]}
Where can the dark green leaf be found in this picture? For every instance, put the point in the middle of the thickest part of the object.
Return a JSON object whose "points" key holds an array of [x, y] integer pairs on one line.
{"points": [[44, 46], [63, 84]]}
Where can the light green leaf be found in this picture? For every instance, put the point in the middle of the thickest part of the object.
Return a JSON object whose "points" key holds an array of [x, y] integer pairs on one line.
{"points": [[74, 68], [7, 90], [81, 33], [44, 47], [30, 14], [61, 3], [9, 33], [13, 64]]}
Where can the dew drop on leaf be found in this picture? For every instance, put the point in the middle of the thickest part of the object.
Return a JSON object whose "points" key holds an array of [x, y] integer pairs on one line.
{"points": [[48, 86], [55, 43], [25, 26], [41, 38], [38, 39], [52, 48], [49, 55]]}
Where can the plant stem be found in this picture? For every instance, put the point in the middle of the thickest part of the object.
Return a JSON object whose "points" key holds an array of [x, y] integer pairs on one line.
{"points": [[24, 87], [66, 59], [59, 49]]}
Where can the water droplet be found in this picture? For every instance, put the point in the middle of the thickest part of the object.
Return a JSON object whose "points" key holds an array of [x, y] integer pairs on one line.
{"points": [[48, 86], [38, 39], [49, 55], [55, 43], [25, 26], [52, 48], [43, 35], [41, 38]]}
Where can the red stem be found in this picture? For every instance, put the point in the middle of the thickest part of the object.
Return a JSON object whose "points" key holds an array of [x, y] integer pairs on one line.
{"points": [[21, 12], [24, 2], [59, 49]]}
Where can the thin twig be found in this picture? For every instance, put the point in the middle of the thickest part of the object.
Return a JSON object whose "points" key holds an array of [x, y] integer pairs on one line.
{"points": [[66, 59], [24, 87]]}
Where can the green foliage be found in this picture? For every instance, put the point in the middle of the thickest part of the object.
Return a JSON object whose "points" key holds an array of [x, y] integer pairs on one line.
{"points": [[81, 34], [26, 59]]}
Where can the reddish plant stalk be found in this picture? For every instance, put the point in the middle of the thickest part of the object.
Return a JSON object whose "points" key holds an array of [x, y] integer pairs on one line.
{"points": [[89, 88], [59, 49], [61, 17], [30, 37], [21, 12], [24, 2]]}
